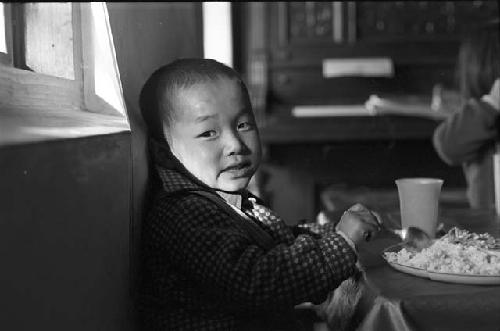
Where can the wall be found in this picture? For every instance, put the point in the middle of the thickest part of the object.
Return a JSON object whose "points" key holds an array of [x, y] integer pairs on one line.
{"points": [[64, 234], [147, 36]]}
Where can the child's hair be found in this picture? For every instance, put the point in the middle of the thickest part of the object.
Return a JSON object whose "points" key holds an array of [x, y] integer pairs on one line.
{"points": [[161, 87], [478, 61]]}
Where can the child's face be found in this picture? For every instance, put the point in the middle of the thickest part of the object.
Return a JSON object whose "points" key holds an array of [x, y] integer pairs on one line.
{"points": [[213, 134]]}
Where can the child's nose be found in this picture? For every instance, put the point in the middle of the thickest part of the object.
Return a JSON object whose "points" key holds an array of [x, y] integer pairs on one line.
{"points": [[234, 144]]}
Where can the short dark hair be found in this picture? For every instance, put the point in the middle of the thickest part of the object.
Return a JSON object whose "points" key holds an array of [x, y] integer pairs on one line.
{"points": [[159, 89], [478, 60]]}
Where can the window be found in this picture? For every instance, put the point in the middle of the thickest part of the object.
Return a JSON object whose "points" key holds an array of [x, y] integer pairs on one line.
{"points": [[102, 90], [3, 38], [5, 34], [106, 75], [58, 72], [217, 37]]}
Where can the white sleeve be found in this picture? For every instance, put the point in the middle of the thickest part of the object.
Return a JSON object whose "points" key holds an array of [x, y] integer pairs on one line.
{"points": [[494, 97]]}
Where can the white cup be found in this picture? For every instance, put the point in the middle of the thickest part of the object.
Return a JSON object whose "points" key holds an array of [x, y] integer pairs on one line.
{"points": [[419, 203]]}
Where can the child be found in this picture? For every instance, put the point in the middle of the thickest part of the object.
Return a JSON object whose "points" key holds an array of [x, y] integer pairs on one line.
{"points": [[214, 257], [469, 136]]}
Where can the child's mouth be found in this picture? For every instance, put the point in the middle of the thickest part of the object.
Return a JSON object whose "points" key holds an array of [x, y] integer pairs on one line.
{"points": [[239, 169]]}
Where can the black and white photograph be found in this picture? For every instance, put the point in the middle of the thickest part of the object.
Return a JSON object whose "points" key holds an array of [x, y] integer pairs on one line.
{"points": [[250, 166]]}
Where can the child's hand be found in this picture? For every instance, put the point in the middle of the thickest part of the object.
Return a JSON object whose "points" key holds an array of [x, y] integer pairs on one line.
{"points": [[359, 224]]}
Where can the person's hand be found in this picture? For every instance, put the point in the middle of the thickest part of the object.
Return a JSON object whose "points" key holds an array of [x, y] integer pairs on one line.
{"points": [[359, 224]]}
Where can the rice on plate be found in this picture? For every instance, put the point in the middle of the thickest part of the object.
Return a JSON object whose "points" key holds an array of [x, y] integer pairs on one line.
{"points": [[458, 252]]}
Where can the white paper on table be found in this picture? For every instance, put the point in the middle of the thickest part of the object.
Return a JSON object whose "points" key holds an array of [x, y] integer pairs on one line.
{"points": [[330, 110], [360, 67]]}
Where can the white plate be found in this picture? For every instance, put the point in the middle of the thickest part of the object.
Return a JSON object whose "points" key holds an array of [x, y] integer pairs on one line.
{"points": [[464, 278], [438, 276], [409, 270]]}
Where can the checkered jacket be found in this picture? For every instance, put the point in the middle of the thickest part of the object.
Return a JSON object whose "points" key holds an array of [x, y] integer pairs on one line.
{"points": [[201, 272]]}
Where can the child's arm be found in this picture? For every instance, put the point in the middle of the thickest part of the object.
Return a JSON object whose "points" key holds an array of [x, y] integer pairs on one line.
{"points": [[235, 272], [466, 133]]}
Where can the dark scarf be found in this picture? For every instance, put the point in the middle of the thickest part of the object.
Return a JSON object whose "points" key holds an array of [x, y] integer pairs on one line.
{"points": [[162, 155]]}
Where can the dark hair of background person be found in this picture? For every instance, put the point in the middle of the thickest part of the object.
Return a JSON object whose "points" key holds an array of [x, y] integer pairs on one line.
{"points": [[479, 60], [160, 88]]}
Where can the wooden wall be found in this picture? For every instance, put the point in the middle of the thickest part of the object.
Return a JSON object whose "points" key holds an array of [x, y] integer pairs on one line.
{"points": [[64, 234]]}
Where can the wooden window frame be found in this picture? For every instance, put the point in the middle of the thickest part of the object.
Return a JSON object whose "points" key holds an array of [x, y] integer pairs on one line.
{"points": [[70, 107], [92, 101]]}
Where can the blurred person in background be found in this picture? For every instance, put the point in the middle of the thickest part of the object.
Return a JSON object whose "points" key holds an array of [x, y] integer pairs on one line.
{"points": [[470, 135]]}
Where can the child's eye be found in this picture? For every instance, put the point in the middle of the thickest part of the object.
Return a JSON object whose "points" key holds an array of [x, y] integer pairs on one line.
{"points": [[208, 134], [245, 126]]}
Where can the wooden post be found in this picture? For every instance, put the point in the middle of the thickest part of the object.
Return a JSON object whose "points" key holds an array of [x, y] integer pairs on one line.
{"points": [[496, 175]]}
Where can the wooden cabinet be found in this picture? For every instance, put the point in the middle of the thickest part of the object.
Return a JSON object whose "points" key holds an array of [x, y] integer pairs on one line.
{"points": [[337, 23], [420, 38]]}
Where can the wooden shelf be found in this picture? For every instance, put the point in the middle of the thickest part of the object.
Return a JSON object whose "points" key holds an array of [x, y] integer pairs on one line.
{"points": [[284, 130]]}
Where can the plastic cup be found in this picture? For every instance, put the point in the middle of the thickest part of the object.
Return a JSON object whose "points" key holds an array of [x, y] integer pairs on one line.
{"points": [[419, 203]]}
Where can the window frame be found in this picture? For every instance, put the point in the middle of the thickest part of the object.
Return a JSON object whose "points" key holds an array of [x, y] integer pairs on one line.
{"points": [[70, 106], [92, 101]]}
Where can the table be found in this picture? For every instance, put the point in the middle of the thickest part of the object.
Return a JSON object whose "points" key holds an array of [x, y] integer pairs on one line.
{"points": [[397, 301]]}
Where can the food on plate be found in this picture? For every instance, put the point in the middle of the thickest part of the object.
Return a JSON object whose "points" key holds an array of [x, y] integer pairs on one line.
{"points": [[457, 252], [466, 238]]}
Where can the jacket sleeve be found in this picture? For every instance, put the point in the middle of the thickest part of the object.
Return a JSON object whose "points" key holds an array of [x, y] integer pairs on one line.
{"points": [[223, 261], [462, 136]]}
